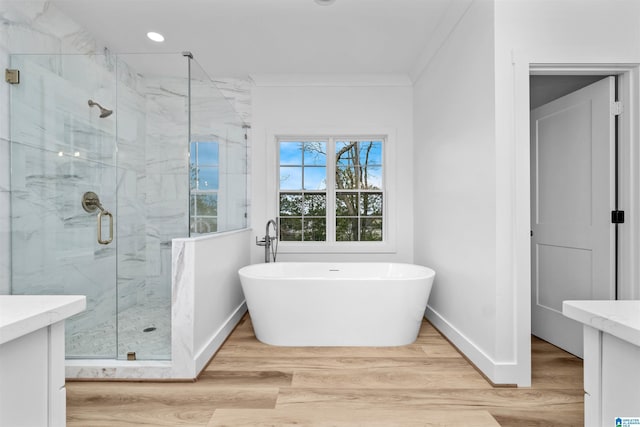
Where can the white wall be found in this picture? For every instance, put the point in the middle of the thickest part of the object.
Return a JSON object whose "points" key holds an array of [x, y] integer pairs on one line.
{"points": [[472, 138], [455, 197], [560, 32], [333, 105]]}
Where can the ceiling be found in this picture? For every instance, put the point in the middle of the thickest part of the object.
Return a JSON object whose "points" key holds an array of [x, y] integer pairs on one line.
{"points": [[236, 38]]}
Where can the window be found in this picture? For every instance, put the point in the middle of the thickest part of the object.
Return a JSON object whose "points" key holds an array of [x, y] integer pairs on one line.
{"points": [[331, 190], [204, 186], [358, 190]]}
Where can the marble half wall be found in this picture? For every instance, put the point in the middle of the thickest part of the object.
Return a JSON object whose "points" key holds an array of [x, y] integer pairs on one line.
{"points": [[207, 300]]}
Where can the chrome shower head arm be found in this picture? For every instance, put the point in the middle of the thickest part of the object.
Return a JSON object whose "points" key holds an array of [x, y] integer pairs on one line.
{"points": [[104, 112]]}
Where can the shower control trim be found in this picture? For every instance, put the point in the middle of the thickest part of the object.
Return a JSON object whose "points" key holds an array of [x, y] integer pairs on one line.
{"points": [[91, 202]]}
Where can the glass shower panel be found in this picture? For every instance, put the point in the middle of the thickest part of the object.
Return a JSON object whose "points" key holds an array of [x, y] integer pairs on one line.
{"points": [[117, 126], [60, 149], [236, 178], [153, 196], [218, 185]]}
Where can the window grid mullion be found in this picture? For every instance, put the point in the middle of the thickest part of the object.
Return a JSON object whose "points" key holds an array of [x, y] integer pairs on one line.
{"points": [[194, 198], [302, 167], [359, 213], [302, 192], [331, 191]]}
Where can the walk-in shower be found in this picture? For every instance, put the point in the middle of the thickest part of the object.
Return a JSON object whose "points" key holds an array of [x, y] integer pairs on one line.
{"points": [[97, 199]]}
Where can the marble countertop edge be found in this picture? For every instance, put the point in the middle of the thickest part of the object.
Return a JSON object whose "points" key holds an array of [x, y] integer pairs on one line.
{"points": [[23, 314], [619, 318]]}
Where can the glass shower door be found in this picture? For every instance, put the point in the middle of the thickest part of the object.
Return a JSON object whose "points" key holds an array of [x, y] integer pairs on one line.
{"points": [[63, 145]]}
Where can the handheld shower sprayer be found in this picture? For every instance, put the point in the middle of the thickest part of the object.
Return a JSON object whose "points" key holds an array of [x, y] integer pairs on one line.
{"points": [[104, 112], [270, 250]]}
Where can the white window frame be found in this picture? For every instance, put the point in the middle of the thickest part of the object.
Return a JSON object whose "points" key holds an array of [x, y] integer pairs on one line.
{"points": [[389, 213]]}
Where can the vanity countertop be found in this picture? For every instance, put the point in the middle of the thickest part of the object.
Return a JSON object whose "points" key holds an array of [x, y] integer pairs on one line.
{"points": [[618, 318], [23, 314]]}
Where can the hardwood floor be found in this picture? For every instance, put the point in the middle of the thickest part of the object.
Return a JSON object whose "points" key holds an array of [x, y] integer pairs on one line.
{"points": [[427, 383]]}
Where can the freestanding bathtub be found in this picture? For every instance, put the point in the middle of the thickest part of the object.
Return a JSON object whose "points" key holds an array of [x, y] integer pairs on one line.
{"points": [[336, 304]]}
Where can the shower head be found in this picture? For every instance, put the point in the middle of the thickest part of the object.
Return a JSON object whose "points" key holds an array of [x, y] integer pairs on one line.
{"points": [[103, 111]]}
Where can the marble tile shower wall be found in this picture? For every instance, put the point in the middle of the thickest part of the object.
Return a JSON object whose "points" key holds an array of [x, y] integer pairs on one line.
{"points": [[27, 27], [18, 33], [43, 180], [60, 150], [167, 175], [131, 183]]}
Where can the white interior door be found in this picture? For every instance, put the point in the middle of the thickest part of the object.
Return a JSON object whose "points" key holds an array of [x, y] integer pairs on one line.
{"points": [[572, 196]]}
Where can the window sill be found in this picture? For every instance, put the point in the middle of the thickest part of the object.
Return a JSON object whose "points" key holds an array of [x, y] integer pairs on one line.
{"points": [[336, 247]]}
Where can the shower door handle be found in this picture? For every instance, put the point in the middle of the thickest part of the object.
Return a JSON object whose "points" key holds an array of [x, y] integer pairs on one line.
{"points": [[110, 238], [91, 203]]}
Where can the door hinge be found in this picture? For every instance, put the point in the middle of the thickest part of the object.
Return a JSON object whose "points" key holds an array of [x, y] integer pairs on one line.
{"points": [[617, 217], [617, 108], [12, 76]]}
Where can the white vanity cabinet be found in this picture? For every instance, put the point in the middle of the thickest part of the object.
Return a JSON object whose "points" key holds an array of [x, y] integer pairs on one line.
{"points": [[32, 364], [611, 359]]}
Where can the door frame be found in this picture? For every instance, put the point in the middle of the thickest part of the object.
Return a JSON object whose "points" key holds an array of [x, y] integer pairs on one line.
{"points": [[628, 190], [628, 164]]}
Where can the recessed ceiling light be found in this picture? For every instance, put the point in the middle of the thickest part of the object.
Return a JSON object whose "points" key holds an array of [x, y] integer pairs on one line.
{"points": [[324, 2], [156, 37]]}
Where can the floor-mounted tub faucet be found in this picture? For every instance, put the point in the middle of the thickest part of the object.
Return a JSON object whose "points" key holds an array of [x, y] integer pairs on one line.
{"points": [[270, 250]]}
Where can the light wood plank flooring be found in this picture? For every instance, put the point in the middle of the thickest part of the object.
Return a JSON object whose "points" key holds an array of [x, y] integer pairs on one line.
{"points": [[427, 383]]}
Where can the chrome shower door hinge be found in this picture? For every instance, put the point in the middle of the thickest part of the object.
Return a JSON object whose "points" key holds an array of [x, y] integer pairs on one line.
{"points": [[12, 76]]}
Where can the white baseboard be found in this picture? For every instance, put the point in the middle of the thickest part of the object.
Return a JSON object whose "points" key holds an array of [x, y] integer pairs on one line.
{"points": [[499, 373], [218, 337]]}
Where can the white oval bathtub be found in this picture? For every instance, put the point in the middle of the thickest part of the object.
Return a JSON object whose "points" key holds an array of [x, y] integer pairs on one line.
{"points": [[336, 304]]}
